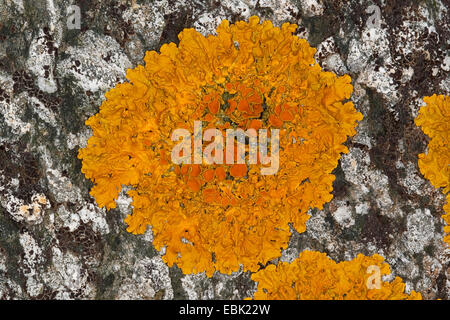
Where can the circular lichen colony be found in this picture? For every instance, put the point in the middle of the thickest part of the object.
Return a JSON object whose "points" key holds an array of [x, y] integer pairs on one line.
{"points": [[218, 217]]}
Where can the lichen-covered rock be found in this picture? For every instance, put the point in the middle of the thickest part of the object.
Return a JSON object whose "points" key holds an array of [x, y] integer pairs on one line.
{"points": [[251, 76], [56, 243]]}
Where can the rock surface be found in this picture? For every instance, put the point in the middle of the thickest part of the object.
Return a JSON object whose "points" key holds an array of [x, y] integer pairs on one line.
{"points": [[55, 243]]}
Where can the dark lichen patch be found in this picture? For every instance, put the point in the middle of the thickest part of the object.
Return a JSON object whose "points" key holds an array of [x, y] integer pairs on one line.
{"points": [[377, 111], [360, 221], [47, 293], [336, 16], [25, 82], [264, 11], [387, 130], [379, 229], [9, 294], [349, 234], [16, 50], [143, 247], [415, 142], [83, 241], [441, 282], [11, 250], [50, 45], [9, 241], [70, 112], [426, 56], [394, 11], [305, 241], [340, 185], [430, 249], [330, 222], [17, 163], [430, 203], [4, 96], [319, 28], [354, 231], [105, 286], [114, 241], [175, 275], [114, 245], [174, 24], [118, 28], [36, 12], [74, 174]]}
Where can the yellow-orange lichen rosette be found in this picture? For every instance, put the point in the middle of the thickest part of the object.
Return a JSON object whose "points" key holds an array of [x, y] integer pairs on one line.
{"points": [[434, 119], [218, 217], [314, 276]]}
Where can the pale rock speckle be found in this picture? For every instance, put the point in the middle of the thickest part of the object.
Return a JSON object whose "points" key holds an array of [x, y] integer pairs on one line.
{"points": [[68, 276], [362, 208], [413, 181], [92, 214], [343, 215], [94, 72], [64, 188], [44, 113], [39, 57], [190, 285], [147, 20], [150, 277], [31, 260], [356, 166], [289, 255], [312, 7], [14, 112], [420, 230], [69, 220]]}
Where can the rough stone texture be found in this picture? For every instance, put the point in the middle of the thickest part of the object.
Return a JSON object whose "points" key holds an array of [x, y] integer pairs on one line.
{"points": [[55, 243]]}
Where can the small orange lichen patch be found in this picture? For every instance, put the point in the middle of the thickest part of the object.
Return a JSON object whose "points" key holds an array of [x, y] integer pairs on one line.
{"points": [[216, 216], [434, 119], [33, 212], [314, 276]]}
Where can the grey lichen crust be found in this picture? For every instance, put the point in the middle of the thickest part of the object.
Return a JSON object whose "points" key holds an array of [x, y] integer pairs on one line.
{"points": [[55, 243]]}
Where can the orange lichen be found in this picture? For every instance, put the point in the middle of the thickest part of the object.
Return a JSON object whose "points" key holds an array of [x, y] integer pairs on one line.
{"points": [[216, 216], [434, 119], [314, 276]]}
